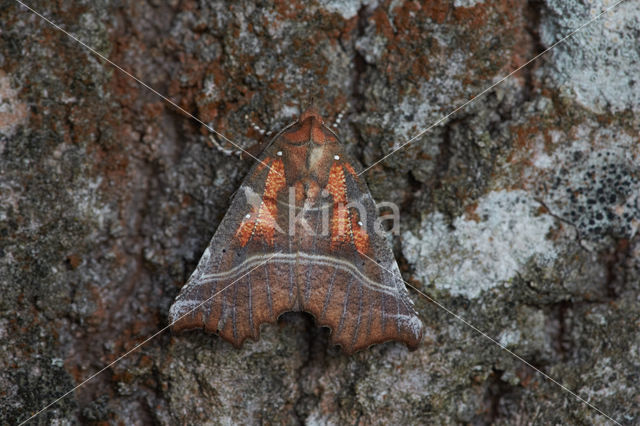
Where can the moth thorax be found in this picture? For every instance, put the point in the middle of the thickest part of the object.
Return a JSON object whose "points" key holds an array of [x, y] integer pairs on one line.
{"points": [[316, 157], [307, 190]]}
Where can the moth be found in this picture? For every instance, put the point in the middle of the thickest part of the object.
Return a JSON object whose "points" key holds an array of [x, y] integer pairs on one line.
{"points": [[301, 234]]}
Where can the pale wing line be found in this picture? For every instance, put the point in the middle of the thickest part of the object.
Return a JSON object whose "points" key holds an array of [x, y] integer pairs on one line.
{"points": [[292, 257], [503, 347], [140, 344], [142, 83], [474, 98]]}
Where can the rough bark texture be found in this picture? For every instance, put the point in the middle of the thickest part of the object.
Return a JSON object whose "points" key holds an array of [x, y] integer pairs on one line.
{"points": [[520, 213]]}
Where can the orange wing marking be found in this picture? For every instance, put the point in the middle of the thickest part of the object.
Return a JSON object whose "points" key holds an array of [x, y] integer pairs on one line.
{"points": [[360, 236], [350, 169], [345, 225], [340, 225], [245, 231], [337, 185], [263, 222], [340, 222]]}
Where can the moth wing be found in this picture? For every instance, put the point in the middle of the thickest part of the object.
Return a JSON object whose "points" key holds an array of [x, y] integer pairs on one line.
{"points": [[256, 268], [238, 283], [354, 287]]}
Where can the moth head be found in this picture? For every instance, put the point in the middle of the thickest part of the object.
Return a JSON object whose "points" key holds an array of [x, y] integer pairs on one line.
{"points": [[310, 112]]}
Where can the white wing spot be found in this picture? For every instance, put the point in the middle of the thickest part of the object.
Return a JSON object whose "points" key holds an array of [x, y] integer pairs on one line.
{"points": [[279, 153], [336, 157]]}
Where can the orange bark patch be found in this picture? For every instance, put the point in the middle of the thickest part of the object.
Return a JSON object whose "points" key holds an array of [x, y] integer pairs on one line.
{"points": [[474, 17], [437, 10]]}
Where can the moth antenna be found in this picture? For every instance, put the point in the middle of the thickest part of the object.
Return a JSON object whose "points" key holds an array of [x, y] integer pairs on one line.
{"points": [[226, 151], [257, 127], [338, 119]]}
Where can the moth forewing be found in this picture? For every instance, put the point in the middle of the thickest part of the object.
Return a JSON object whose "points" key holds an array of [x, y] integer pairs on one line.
{"points": [[301, 234]]}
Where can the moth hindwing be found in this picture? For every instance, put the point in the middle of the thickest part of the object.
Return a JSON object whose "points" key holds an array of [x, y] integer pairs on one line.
{"points": [[301, 234]]}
